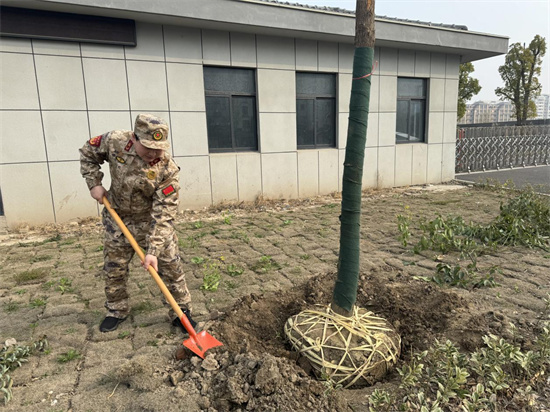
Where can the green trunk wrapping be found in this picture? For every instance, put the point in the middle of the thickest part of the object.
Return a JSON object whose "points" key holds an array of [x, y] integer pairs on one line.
{"points": [[345, 289]]}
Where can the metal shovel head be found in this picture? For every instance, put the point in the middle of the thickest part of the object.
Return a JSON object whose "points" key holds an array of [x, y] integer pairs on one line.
{"points": [[201, 343]]}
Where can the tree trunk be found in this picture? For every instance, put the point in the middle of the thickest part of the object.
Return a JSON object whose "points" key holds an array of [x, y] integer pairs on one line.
{"points": [[345, 288]]}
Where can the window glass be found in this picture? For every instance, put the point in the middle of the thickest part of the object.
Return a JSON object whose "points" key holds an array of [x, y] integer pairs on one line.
{"points": [[316, 110], [220, 79], [411, 87], [230, 109], [315, 84], [305, 120], [218, 122], [411, 110], [244, 122], [326, 124]]}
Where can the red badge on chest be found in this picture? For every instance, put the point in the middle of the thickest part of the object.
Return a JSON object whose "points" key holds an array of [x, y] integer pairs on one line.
{"points": [[129, 146], [168, 190]]}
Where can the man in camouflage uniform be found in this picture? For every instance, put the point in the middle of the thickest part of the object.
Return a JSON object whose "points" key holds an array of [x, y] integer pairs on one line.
{"points": [[144, 192]]}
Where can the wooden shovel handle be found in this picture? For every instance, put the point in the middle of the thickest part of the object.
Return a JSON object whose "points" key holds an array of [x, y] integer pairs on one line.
{"points": [[151, 269]]}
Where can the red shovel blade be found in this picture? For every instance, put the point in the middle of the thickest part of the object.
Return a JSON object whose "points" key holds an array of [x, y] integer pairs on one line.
{"points": [[201, 342]]}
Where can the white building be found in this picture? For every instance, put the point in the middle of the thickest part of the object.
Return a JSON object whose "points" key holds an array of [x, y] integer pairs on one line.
{"points": [[543, 106], [488, 112], [73, 69]]}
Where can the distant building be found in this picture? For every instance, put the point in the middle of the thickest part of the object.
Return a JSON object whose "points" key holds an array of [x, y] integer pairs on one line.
{"points": [[543, 106], [493, 112], [488, 112]]}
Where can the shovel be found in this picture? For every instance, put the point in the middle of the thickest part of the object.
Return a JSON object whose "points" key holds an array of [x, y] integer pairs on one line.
{"points": [[197, 342]]}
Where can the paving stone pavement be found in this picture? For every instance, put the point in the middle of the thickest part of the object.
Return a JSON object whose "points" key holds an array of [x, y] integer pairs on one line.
{"points": [[50, 278]]}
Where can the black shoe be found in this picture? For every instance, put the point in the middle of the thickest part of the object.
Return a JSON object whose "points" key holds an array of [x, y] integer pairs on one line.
{"points": [[110, 323], [177, 322]]}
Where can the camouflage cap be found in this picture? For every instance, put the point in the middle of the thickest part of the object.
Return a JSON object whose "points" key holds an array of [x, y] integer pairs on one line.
{"points": [[152, 131]]}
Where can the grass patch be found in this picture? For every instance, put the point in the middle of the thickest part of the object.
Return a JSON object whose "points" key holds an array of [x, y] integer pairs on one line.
{"points": [[10, 306], [70, 355], [265, 264], [37, 303], [31, 276], [42, 258], [143, 307]]}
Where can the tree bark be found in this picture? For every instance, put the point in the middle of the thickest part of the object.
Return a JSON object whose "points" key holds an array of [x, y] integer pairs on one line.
{"points": [[364, 23]]}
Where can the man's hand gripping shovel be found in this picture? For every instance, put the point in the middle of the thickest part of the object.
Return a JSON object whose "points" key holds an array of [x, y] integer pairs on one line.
{"points": [[197, 342]]}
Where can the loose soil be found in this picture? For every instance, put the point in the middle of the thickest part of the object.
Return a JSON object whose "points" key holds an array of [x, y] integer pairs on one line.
{"points": [[275, 258]]}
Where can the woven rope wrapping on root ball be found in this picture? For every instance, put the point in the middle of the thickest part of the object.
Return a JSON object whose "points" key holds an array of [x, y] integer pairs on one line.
{"points": [[352, 352]]}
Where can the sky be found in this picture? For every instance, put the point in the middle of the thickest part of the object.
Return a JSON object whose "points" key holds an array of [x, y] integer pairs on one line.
{"points": [[520, 20]]}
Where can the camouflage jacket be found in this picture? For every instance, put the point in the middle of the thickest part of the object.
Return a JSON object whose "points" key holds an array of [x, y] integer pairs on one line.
{"points": [[137, 188]]}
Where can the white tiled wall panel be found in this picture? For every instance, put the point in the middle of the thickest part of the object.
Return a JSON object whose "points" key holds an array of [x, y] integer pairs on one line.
{"points": [[65, 133], [249, 175], [448, 162], [277, 91], [436, 98], [403, 164], [71, 199], [223, 171], [386, 166], [104, 51], [328, 171], [22, 138], [386, 129], [185, 87], [147, 85], [182, 44], [422, 64], [435, 152], [195, 183], [370, 168], [387, 64], [306, 55], [277, 185], [56, 48], [451, 95], [345, 57], [419, 164], [308, 173], [243, 50], [17, 87], [150, 43], [106, 86], [276, 53], [102, 122], [60, 82], [328, 57], [388, 94], [216, 47], [438, 66], [406, 63], [344, 91], [435, 127], [11, 44], [277, 132], [188, 132], [26, 193]]}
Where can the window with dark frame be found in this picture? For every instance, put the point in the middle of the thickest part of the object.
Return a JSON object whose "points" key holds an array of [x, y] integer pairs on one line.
{"points": [[230, 109], [411, 110], [316, 110]]}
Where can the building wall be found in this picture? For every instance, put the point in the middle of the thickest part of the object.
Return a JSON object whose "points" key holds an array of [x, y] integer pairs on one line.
{"points": [[56, 95]]}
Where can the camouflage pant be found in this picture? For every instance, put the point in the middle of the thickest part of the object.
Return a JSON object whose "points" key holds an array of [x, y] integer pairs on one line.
{"points": [[118, 252]]}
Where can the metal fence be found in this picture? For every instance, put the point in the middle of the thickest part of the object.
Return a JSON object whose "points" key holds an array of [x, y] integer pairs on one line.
{"points": [[491, 148]]}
